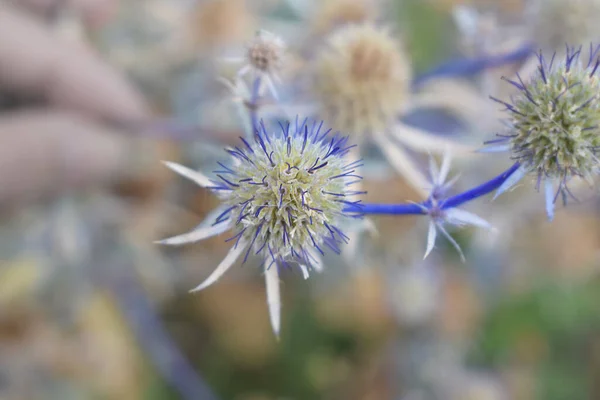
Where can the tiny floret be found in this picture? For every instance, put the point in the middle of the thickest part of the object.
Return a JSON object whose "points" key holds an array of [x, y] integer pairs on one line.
{"points": [[361, 79], [263, 61], [288, 191], [284, 195], [332, 14], [265, 52], [554, 123]]}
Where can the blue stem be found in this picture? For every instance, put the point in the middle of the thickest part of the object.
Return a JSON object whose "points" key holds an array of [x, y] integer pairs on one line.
{"points": [[467, 67], [451, 202], [391, 209], [480, 190]]}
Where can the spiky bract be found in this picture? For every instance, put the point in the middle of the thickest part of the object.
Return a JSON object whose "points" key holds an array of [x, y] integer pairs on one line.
{"points": [[362, 79], [555, 118], [287, 192]]}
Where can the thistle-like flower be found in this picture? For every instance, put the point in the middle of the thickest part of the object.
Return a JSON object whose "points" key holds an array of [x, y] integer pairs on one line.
{"points": [[362, 79], [554, 124], [362, 84], [438, 214], [264, 59], [284, 196]]}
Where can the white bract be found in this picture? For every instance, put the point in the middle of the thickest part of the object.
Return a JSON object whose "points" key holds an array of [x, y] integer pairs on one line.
{"points": [[284, 196]]}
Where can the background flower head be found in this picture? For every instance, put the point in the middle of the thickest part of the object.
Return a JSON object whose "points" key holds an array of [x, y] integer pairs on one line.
{"points": [[554, 130], [362, 78]]}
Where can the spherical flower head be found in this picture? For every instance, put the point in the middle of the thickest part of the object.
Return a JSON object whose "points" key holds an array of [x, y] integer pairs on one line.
{"points": [[555, 118], [558, 22], [265, 52], [362, 79], [440, 212], [288, 191]]}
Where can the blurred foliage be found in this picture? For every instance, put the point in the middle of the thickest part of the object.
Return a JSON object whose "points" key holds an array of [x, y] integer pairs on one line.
{"points": [[310, 361], [554, 329]]}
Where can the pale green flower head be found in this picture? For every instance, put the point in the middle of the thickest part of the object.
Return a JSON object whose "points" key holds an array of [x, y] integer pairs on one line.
{"points": [[289, 191], [555, 118]]}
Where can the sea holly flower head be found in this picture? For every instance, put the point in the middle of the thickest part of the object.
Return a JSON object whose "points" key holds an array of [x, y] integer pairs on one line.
{"points": [[265, 53], [284, 195], [554, 124], [439, 214]]}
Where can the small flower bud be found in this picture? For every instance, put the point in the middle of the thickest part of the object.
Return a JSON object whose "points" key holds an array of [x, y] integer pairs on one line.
{"points": [[265, 52]]}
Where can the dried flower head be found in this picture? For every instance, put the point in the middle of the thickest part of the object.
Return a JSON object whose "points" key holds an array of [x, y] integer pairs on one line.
{"points": [[560, 22], [283, 196], [555, 123], [362, 79]]}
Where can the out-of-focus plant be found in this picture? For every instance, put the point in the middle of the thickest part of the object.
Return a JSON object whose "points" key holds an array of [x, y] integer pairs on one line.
{"points": [[283, 192]]}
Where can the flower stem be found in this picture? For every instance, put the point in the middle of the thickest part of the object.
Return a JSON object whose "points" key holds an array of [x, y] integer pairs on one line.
{"points": [[253, 105], [451, 202], [480, 190], [391, 209]]}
